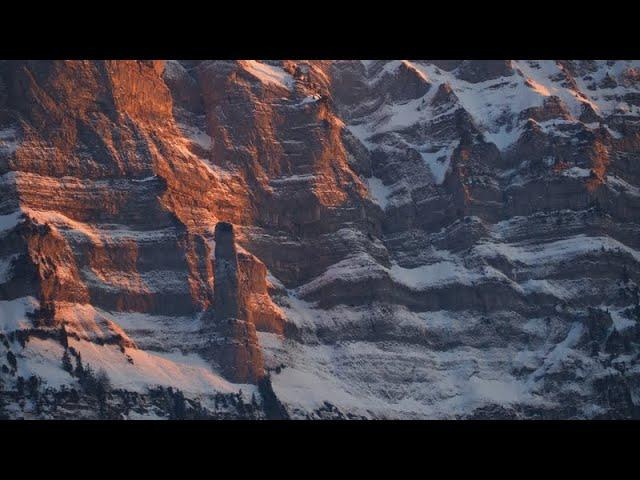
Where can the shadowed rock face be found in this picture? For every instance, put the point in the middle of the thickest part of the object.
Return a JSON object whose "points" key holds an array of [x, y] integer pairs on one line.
{"points": [[400, 238], [239, 354], [229, 299]]}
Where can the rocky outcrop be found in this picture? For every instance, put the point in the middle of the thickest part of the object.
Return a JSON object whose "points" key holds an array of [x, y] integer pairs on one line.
{"points": [[475, 71], [238, 353], [376, 238]]}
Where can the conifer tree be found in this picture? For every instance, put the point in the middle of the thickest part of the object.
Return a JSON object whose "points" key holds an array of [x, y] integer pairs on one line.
{"points": [[66, 362]]}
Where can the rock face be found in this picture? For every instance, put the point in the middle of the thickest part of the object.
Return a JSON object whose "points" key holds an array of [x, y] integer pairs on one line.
{"points": [[377, 239], [239, 357]]}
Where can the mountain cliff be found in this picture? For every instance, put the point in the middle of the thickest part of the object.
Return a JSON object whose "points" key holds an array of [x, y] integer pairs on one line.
{"points": [[319, 239]]}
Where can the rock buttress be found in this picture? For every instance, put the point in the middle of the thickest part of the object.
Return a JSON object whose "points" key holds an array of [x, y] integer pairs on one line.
{"points": [[239, 354]]}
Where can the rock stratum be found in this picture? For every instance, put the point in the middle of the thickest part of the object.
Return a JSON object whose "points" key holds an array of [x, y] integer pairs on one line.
{"points": [[319, 239]]}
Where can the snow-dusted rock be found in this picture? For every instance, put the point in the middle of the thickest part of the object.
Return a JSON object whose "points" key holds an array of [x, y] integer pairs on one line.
{"points": [[412, 239]]}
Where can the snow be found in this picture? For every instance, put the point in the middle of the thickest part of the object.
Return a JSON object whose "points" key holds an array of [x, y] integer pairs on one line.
{"points": [[272, 279], [197, 136], [432, 275], [404, 380], [367, 63], [305, 315], [553, 359], [43, 358], [7, 222], [362, 132], [620, 321], [447, 270], [354, 268], [294, 178], [577, 172], [300, 312], [399, 116], [560, 250], [188, 373], [431, 364], [546, 287], [98, 233], [504, 137], [134, 281], [312, 388], [394, 380], [605, 100], [268, 74], [145, 179], [487, 101], [438, 163], [620, 185], [132, 321], [541, 81], [494, 105], [379, 191], [495, 391], [13, 313], [88, 322], [309, 99]]}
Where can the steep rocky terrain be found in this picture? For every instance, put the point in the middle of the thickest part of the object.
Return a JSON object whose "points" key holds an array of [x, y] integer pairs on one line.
{"points": [[319, 239]]}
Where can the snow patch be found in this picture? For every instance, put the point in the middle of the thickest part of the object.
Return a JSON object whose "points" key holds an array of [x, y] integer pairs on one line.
{"points": [[352, 269], [7, 222], [43, 358], [560, 250], [576, 172], [268, 73], [14, 313], [379, 191], [438, 162], [435, 274], [197, 136], [185, 372]]}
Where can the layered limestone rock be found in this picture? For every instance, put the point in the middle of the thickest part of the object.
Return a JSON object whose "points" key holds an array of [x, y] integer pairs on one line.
{"points": [[238, 354], [399, 238]]}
